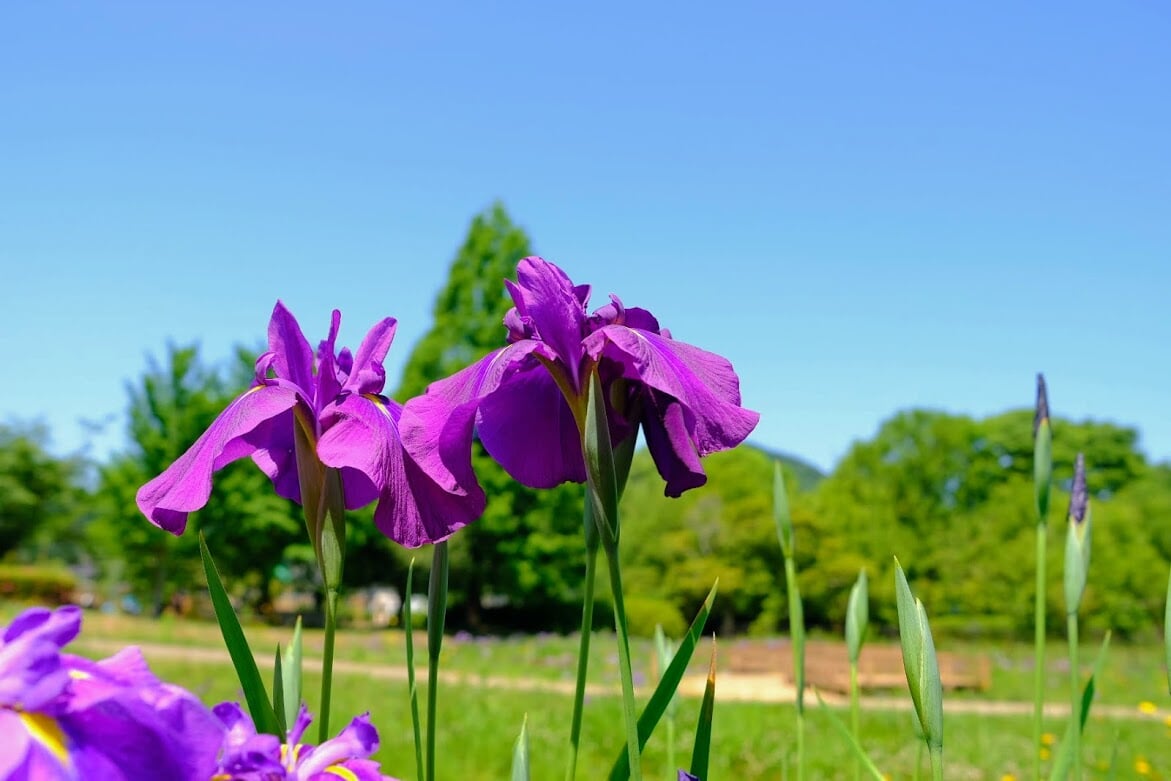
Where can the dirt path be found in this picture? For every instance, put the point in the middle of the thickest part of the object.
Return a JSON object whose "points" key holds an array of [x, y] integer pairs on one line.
{"points": [[730, 686]]}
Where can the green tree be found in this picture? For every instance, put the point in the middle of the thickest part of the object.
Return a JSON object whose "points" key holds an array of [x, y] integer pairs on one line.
{"points": [[527, 547], [39, 493]]}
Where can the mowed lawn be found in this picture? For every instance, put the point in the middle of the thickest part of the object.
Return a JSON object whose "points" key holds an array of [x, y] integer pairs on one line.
{"points": [[478, 724]]}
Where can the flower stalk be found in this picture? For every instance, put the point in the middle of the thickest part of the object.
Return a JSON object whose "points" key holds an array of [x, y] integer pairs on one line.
{"points": [[1077, 564], [623, 456], [436, 618], [602, 488], [784, 523], [1042, 480], [857, 622]]}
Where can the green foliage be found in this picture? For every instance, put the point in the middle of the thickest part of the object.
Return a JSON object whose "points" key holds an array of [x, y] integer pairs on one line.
{"points": [[644, 613], [952, 496], [526, 550], [39, 496]]}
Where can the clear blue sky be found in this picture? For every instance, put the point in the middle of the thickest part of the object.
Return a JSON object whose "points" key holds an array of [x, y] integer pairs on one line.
{"points": [[866, 207]]}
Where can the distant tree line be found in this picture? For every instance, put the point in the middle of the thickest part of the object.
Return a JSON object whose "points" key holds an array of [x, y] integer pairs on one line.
{"points": [[950, 495]]}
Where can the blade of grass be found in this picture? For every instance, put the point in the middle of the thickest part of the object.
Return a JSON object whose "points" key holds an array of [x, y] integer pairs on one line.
{"points": [[520, 753], [859, 752], [1064, 761]]}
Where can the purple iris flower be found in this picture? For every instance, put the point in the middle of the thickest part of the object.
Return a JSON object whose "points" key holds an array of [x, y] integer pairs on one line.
{"points": [[685, 776], [247, 756], [64, 717], [338, 400], [526, 401]]}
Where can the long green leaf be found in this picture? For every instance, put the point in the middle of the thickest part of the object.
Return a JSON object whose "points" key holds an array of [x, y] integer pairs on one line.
{"points": [[242, 659], [520, 753], [859, 752], [701, 753], [1063, 762], [1167, 632], [291, 673], [278, 692], [661, 698]]}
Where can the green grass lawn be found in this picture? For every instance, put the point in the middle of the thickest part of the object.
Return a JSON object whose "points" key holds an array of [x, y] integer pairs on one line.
{"points": [[752, 740]]}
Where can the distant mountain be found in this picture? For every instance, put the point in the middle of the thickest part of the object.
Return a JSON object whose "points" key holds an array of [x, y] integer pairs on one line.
{"points": [[805, 473], [745, 458]]}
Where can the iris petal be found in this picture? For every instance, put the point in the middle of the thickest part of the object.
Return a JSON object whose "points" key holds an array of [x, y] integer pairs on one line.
{"points": [[528, 427], [437, 427], [186, 484], [362, 439], [292, 355], [703, 383], [557, 312], [368, 375], [357, 741]]}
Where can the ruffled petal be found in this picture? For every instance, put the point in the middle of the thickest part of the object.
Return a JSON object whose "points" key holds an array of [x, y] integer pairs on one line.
{"points": [[552, 302], [58, 627], [32, 675], [357, 741], [437, 427], [528, 427], [703, 383], [369, 375], [670, 446], [328, 379], [276, 454], [186, 484], [118, 713], [293, 357], [361, 438]]}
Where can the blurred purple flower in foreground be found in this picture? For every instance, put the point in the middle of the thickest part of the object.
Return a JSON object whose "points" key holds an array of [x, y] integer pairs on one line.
{"points": [[526, 401], [64, 717], [248, 756], [336, 399]]}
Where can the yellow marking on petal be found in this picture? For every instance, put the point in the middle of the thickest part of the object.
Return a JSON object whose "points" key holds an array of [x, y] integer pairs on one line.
{"points": [[342, 772], [221, 777], [290, 764], [377, 403], [79, 675], [46, 731]]}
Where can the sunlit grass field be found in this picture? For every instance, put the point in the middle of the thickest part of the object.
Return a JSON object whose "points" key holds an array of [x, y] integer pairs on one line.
{"points": [[751, 740]]}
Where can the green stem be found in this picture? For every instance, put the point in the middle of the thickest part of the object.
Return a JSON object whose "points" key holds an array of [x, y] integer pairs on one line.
{"points": [[918, 760], [583, 651], [625, 670], [1039, 653], [436, 616], [797, 633], [1075, 724], [412, 690], [854, 708], [800, 746], [327, 662], [936, 763]]}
